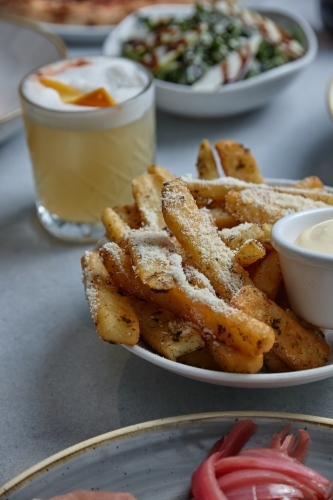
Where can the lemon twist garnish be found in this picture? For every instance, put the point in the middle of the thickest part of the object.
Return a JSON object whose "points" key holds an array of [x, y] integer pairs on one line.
{"points": [[98, 98]]}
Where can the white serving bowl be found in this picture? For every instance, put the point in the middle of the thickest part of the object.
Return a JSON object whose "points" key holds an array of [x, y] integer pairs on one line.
{"points": [[230, 99], [24, 46], [308, 275]]}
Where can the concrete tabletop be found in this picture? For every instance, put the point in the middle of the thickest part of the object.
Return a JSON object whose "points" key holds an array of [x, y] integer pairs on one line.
{"points": [[59, 383]]}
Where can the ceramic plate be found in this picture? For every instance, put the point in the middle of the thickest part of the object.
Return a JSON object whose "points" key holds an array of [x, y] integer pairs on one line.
{"points": [[260, 380], [77, 34], [24, 46], [231, 99], [72, 33], [155, 460]]}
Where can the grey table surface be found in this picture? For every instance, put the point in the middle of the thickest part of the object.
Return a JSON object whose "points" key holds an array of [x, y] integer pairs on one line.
{"points": [[59, 383]]}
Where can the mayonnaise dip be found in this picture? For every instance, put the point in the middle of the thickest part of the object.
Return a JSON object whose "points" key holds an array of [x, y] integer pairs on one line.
{"points": [[318, 238]]}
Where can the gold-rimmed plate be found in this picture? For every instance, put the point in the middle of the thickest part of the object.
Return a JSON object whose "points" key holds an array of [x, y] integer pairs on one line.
{"points": [[155, 460]]}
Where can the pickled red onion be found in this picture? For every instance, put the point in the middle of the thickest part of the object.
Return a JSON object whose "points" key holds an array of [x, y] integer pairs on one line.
{"points": [[274, 473], [237, 437], [249, 477], [266, 492], [204, 483]]}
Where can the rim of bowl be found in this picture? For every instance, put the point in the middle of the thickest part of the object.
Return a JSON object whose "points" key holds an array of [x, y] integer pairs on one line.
{"points": [[298, 64], [37, 27], [294, 252]]}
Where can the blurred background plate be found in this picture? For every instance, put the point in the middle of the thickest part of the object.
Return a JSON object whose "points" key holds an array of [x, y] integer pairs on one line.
{"points": [[24, 46], [230, 99], [155, 460], [78, 34]]}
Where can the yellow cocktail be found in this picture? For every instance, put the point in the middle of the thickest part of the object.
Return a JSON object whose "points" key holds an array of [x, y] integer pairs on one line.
{"points": [[84, 159]]}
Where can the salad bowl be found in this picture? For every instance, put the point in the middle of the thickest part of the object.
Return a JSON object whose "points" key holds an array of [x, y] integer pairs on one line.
{"points": [[232, 98]]}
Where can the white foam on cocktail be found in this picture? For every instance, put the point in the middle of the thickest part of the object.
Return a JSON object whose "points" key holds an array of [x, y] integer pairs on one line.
{"points": [[124, 80]]}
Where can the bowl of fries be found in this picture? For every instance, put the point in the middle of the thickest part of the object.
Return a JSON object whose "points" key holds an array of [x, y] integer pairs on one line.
{"points": [[187, 277], [308, 274], [222, 89]]}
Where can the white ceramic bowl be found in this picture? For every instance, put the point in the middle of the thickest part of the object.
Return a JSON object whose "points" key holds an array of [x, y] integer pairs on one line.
{"points": [[308, 275], [24, 46], [233, 98]]}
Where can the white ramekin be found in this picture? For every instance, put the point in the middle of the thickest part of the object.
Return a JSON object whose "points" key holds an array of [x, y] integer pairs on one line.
{"points": [[308, 275]]}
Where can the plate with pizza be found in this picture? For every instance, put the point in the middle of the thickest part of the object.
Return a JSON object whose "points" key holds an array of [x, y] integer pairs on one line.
{"points": [[78, 34], [78, 21]]}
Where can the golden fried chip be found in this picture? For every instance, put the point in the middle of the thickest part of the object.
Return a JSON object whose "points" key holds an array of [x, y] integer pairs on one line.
{"points": [[311, 182], [146, 190], [221, 218], [295, 346], [268, 275], [163, 173], [201, 358], [238, 161], [231, 361], [114, 225], [164, 332], [129, 214], [251, 251], [206, 164], [190, 295], [113, 315], [235, 237], [197, 234], [266, 206], [274, 364]]}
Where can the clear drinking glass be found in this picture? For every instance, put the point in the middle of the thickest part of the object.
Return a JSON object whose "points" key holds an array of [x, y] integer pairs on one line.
{"points": [[83, 161]]}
